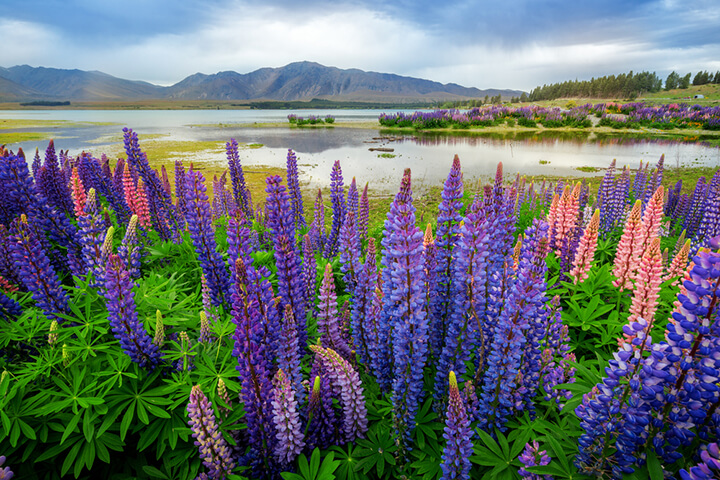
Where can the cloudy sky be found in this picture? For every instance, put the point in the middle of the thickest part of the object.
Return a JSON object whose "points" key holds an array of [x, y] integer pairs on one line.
{"points": [[515, 44]]}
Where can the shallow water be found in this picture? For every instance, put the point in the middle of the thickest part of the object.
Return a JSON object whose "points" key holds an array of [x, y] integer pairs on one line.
{"points": [[428, 155]]}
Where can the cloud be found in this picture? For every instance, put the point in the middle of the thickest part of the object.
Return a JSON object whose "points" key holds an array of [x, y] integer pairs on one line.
{"points": [[23, 42]]}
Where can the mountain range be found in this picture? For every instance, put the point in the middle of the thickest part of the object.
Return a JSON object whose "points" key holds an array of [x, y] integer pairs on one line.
{"points": [[296, 81]]}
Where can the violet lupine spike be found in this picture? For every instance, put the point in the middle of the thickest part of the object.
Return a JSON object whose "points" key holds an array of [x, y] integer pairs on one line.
{"points": [[448, 226], [364, 214], [289, 270], [364, 321], [458, 446], [353, 198], [710, 223], [532, 456], [129, 250], [287, 420], [350, 252], [92, 233], [327, 317], [344, 377], [164, 216], [322, 426], [242, 196], [467, 311], [605, 197], [293, 182], [337, 197], [696, 208], [214, 450], [288, 354], [254, 371], [10, 310], [317, 229], [309, 270], [430, 283], [53, 183], [202, 234], [523, 304], [180, 188], [35, 271], [123, 318]]}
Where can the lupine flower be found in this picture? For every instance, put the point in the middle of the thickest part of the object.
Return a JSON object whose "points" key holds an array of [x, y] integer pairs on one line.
{"points": [[5, 472], [242, 196], [605, 198], [649, 228], [92, 231], [78, 192], [293, 183], [214, 450], [35, 271], [317, 229], [448, 226], [566, 215], [309, 269], [710, 224], [9, 308], [129, 331], [696, 209], [286, 419], [707, 470], [353, 198], [142, 206], [337, 197], [516, 252], [458, 447], [205, 335], [52, 183], [647, 286], [288, 353], [254, 371], [327, 316], [364, 214], [159, 338], [222, 394], [586, 250], [201, 231], [626, 249], [129, 249], [322, 423], [350, 252], [523, 306], [364, 319], [533, 457], [344, 378]]}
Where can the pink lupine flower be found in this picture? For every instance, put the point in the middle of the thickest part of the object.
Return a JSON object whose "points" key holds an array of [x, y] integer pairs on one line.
{"points": [[625, 249], [647, 288], [78, 192], [586, 249], [649, 228], [678, 264]]}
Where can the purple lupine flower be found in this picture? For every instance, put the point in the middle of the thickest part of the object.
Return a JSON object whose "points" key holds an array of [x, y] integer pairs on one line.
{"points": [[709, 226], [289, 272], [93, 175], [327, 316], [337, 197], [673, 198], [9, 308], [309, 270], [639, 185], [697, 208], [165, 219], [293, 182], [346, 379], [201, 231], [532, 456], [403, 307], [350, 252], [92, 231], [35, 271], [5, 472], [242, 196], [52, 184], [287, 420], [214, 450], [317, 229], [254, 371], [353, 198], [122, 314], [129, 249], [363, 319], [707, 470], [465, 324], [522, 305], [322, 422], [430, 283], [7, 266], [364, 214], [448, 226], [288, 354], [458, 446]]}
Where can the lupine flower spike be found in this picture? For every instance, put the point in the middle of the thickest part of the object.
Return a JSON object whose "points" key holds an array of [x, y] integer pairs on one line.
{"points": [[458, 447], [213, 448], [586, 250], [532, 456], [287, 420], [626, 249]]}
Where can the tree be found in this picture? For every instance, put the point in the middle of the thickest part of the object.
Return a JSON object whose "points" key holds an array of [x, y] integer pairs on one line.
{"points": [[672, 81], [684, 81]]}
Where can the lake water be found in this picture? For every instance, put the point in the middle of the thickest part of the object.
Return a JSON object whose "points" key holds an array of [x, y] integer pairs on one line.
{"points": [[428, 155]]}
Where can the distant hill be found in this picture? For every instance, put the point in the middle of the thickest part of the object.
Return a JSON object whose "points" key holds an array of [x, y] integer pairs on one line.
{"points": [[296, 81]]}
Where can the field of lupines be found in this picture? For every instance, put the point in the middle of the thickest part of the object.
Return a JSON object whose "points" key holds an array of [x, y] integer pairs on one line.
{"points": [[615, 115], [537, 331]]}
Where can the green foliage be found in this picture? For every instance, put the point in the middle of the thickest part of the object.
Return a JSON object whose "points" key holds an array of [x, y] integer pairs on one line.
{"points": [[314, 470]]}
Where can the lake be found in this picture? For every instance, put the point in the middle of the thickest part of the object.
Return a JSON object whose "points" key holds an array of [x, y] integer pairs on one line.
{"points": [[428, 155]]}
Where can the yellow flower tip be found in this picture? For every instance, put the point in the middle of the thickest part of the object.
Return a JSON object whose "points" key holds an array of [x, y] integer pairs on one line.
{"points": [[453, 380]]}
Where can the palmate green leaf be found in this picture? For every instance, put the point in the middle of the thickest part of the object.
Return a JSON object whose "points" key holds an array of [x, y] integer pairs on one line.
{"points": [[427, 463], [347, 468], [314, 470], [376, 451], [427, 425]]}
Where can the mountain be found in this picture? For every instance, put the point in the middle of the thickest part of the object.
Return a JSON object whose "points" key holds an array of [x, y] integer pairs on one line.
{"points": [[296, 81]]}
